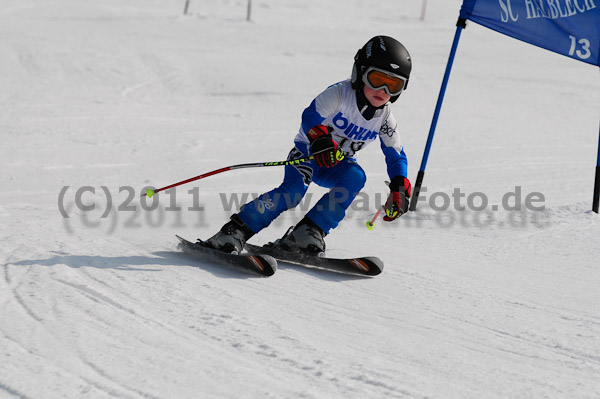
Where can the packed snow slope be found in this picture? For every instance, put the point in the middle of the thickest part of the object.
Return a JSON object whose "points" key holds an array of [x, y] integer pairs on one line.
{"points": [[113, 96]]}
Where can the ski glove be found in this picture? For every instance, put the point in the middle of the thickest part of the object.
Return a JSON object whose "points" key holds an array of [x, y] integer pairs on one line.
{"points": [[397, 202], [323, 147]]}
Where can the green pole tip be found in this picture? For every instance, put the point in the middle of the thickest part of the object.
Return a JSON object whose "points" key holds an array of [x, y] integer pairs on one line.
{"points": [[149, 193], [370, 225]]}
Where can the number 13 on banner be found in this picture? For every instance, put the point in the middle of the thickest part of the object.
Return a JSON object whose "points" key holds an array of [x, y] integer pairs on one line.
{"points": [[584, 52]]}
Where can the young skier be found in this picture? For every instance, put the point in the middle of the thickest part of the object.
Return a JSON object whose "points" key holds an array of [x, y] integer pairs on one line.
{"points": [[338, 123]]}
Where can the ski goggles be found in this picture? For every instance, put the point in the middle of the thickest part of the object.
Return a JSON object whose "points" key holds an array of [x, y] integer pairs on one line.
{"points": [[377, 79]]}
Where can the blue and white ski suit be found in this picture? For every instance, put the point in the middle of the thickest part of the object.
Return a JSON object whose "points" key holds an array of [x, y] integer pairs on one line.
{"points": [[335, 107]]}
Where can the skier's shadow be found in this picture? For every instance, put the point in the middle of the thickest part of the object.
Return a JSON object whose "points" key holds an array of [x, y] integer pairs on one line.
{"points": [[165, 258], [135, 263]]}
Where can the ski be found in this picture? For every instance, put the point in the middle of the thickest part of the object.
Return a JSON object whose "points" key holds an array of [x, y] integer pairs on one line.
{"points": [[366, 266], [262, 264]]}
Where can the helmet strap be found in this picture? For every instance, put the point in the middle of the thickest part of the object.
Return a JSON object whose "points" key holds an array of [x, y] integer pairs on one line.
{"points": [[364, 106]]}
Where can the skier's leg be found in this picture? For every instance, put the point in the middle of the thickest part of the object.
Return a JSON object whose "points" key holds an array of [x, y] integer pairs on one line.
{"points": [[345, 180], [259, 213]]}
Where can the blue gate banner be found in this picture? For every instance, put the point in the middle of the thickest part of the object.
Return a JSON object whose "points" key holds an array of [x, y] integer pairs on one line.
{"points": [[568, 27]]}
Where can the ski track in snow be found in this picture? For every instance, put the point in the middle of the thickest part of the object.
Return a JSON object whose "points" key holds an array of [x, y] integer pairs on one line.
{"points": [[113, 95], [94, 291]]}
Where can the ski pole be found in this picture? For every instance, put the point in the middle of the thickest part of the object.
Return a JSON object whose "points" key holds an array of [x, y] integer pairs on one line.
{"points": [[371, 223], [151, 192]]}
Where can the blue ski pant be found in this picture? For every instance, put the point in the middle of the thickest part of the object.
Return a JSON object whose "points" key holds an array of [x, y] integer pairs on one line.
{"points": [[345, 180]]}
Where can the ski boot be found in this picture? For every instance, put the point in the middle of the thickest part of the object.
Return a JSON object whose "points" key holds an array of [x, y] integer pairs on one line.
{"points": [[306, 237], [231, 238]]}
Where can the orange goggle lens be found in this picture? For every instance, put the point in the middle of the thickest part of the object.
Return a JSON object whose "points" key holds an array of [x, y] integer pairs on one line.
{"points": [[377, 79]]}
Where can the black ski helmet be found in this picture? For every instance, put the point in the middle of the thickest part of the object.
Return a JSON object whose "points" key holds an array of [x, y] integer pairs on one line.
{"points": [[382, 52]]}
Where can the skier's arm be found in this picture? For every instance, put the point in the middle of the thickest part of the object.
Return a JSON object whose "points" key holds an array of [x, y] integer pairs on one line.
{"points": [[324, 105], [395, 158], [397, 165], [322, 145]]}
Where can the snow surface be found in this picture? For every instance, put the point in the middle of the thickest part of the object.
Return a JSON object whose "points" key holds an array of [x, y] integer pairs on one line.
{"points": [[471, 304]]}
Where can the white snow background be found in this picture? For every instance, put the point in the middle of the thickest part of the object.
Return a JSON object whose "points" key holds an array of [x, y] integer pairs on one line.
{"points": [[471, 304]]}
